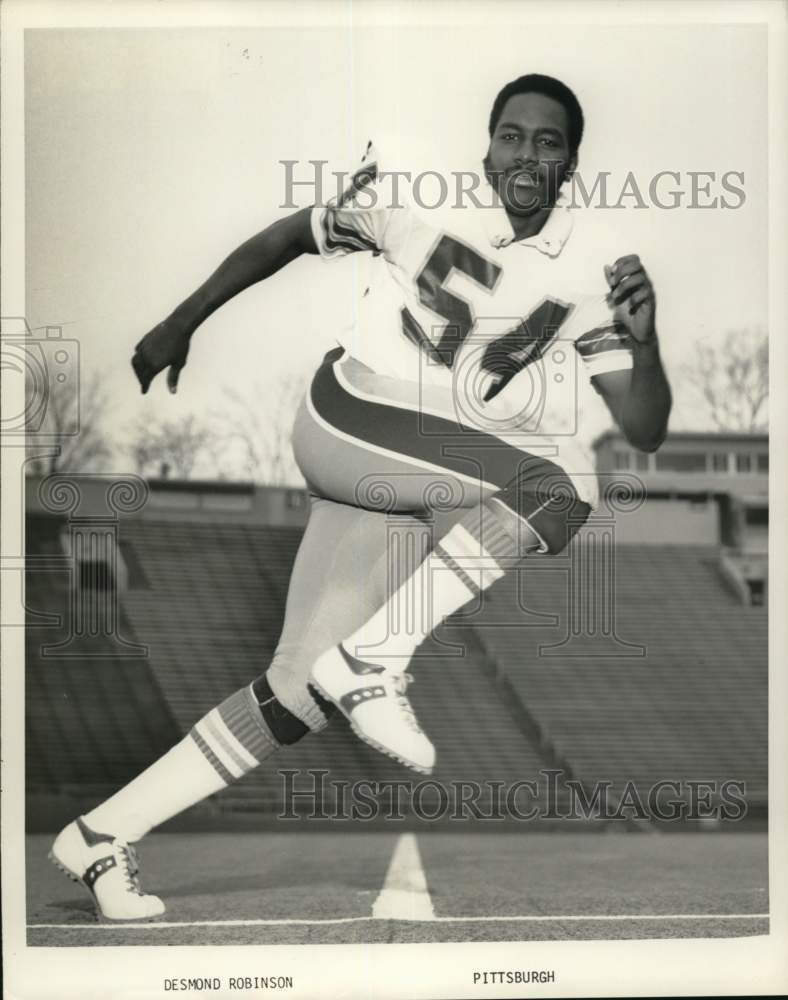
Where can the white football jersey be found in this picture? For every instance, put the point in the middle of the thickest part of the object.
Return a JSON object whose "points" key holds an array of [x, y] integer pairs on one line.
{"points": [[498, 329]]}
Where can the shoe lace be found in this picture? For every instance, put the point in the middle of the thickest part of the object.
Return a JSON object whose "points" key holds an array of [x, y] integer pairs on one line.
{"points": [[131, 867], [400, 685]]}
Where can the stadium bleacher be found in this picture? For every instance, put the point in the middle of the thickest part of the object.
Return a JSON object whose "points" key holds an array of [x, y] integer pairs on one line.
{"points": [[693, 707], [92, 719], [206, 593]]}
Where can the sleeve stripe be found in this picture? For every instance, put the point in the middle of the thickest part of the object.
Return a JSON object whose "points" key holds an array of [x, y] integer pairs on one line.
{"points": [[363, 176], [343, 226], [601, 340], [341, 238], [610, 361], [353, 226]]}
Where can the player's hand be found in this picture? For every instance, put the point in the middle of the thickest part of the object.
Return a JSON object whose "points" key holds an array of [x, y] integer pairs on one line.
{"points": [[166, 346], [632, 295]]}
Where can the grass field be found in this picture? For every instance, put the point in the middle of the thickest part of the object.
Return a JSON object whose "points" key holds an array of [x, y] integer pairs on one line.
{"points": [[268, 888]]}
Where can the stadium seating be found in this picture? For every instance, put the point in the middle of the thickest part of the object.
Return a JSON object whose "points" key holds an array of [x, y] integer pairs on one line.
{"points": [[207, 597], [692, 708], [93, 720]]}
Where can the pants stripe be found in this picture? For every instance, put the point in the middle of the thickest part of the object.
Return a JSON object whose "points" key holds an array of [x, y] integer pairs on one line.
{"points": [[442, 442]]}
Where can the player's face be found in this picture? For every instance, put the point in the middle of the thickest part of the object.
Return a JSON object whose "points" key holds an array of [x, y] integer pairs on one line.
{"points": [[529, 157]]}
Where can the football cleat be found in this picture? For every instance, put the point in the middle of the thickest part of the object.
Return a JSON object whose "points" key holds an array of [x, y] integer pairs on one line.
{"points": [[374, 702], [109, 870]]}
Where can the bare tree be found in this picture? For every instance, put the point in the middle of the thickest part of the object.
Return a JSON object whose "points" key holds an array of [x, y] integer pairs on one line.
{"points": [[259, 426], [173, 447], [732, 380], [75, 425]]}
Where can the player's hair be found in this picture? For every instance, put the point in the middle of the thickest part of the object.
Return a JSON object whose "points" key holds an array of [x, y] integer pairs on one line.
{"points": [[535, 83]]}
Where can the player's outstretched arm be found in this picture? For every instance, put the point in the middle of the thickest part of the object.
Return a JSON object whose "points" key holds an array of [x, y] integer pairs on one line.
{"points": [[639, 399], [167, 345]]}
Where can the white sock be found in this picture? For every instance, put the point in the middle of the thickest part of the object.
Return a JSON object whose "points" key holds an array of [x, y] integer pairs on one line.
{"points": [[179, 779], [227, 743], [466, 561]]}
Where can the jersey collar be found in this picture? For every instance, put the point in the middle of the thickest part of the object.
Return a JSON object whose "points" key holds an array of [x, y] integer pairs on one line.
{"points": [[549, 241]]}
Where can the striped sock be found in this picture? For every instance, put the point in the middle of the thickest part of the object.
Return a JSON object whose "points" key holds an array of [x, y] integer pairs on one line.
{"points": [[222, 747], [233, 737], [468, 559]]}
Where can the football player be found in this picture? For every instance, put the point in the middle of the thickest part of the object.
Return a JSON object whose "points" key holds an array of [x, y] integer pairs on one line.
{"points": [[445, 421]]}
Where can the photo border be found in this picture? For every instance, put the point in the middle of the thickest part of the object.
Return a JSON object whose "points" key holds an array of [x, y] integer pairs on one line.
{"points": [[745, 966]]}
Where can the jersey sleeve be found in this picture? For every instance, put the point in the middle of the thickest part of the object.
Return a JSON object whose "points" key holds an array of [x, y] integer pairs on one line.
{"points": [[601, 341], [357, 219]]}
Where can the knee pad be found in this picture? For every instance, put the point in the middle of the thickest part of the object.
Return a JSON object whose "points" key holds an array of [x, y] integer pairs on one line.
{"points": [[554, 515], [285, 727]]}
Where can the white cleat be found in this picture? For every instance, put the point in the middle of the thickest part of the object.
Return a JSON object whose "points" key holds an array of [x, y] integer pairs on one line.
{"points": [[108, 869], [374, 702]]}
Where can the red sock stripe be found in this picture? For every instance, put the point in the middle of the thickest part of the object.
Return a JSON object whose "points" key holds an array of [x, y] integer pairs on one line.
{"points": [[211, 757], [241, 714], [458, 571]]}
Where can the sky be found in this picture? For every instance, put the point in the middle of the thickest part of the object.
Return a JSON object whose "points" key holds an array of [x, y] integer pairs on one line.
{"points": [[152, 153]]}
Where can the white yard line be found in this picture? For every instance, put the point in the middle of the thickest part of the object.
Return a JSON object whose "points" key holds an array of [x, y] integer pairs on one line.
{"points": [[294, 921], [404, 895]]}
